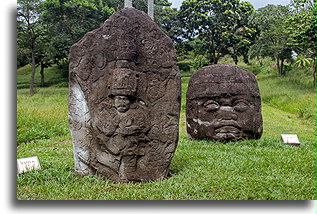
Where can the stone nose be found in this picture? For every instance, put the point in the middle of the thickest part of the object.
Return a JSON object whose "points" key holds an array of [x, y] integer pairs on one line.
{"points": [[227, 113]]}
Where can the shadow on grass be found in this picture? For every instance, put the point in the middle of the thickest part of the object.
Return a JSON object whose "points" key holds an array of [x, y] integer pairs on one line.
{"points": [[57, 83], [54, 76], [178, 167]]}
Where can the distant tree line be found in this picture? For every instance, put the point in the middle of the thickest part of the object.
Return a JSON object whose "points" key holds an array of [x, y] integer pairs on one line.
{"points": [[210, 28], [214, 28], [47, 28]]}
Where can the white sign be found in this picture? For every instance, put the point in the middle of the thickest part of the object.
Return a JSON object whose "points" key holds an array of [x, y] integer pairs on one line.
{"points": [[28, 164], [291, 139]]}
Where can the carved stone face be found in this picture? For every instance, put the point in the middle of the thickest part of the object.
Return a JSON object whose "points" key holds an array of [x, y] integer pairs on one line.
{"points": [[222, 105], [122, 103], [228, 117]]}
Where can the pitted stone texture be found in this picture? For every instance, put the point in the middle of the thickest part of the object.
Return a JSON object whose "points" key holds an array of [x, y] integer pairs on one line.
{"points": [[223, 104], [124, 99]]}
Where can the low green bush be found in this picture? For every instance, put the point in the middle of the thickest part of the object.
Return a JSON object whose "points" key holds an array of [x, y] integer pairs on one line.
{"points": [[185, 66], [27, 69], [200, 61]]}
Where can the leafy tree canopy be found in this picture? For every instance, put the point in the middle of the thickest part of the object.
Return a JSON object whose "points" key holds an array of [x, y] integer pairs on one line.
{"points": [[222, 24]]}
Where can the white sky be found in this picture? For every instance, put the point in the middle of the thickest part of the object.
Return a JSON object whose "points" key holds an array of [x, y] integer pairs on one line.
{"points": [[256, 3]]}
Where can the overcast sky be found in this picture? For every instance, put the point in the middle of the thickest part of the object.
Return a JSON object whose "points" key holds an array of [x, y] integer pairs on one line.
{"points": [[256, 3]]}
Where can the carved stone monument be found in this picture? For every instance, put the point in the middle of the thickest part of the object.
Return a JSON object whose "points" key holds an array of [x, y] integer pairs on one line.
{"points": [[124, 99], [223, 104]]}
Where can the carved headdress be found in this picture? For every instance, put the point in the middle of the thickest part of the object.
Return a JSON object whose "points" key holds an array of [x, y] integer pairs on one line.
{"points": [[124, 82]]}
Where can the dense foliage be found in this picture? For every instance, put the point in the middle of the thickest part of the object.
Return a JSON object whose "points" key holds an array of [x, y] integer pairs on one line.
{"points": [[272, 41], [301, 28], [222, 25], [203, 31]]}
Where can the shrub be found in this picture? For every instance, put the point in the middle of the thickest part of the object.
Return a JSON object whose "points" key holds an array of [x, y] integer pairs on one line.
{"points": [[27, 69], [200, 61], [185, 66]]}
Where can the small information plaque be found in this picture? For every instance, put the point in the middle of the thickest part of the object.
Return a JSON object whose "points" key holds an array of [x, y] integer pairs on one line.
{"points": [[291, 139], [28, 164]]}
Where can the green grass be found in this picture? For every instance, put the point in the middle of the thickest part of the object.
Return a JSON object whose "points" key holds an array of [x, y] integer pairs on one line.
{"points": [[259, 170], [43, 115], [293, 93], [289, 96], [262, 169]]}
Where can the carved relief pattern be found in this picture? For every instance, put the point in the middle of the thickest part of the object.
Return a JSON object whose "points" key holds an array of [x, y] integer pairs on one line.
{"points": [[124, 99]]}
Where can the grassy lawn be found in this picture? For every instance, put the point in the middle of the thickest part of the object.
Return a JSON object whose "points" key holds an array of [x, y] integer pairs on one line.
{"points": [[262, 169]]}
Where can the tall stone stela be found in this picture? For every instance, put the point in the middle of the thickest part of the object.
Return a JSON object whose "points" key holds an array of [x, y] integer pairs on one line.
{"points": [[124, 99]]}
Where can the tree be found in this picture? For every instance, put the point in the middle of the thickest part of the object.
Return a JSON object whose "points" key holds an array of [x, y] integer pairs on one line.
{"points": [[68, 20], [167, 19], [272, 39], [219, 24], [243, 35], [43, 57], [23, 51], [300, 26], [29, 30]]}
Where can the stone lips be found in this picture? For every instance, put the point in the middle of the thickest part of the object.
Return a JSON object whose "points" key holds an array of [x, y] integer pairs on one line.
{"points": [[124, 99], [223, 103]]}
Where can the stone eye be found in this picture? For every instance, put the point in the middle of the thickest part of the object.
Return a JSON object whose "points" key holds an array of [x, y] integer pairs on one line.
{"points": [[241, 105], [211, 105]]}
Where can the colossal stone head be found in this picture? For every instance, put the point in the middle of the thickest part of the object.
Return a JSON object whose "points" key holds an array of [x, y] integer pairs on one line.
{"points": [[223, 103], [124, 99]]}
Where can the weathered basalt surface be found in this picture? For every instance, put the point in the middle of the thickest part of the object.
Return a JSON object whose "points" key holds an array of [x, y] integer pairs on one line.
{"points": [[223, 104], [124, 99]]}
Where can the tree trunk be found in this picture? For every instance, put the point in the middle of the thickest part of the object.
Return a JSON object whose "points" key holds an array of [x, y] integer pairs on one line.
{"points": [[246, 59], [314, 71], [260, 60], [279, 64], [282, 67], [235, 59], [42, 75], [216, 59], [33, 72], [278, 67], [213, 57]]}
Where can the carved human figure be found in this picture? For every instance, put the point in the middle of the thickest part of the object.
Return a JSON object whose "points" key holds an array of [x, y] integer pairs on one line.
{"points": [[122, 122], [122, 103], [223, 104], [124, 99], [124, 125]]}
